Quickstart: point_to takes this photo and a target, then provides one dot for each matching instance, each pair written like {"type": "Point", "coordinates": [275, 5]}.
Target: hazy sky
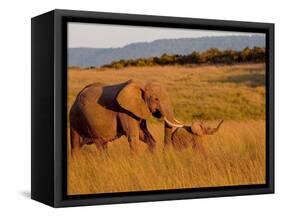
{"type": "Point", "coordinates": [105, 36]}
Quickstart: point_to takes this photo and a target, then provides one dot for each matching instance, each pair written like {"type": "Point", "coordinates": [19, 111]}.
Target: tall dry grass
{"type": "Point", "coordinates": [236, 154]}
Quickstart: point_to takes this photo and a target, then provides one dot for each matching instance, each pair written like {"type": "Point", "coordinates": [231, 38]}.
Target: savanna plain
{"type": "Point", "coordinates": [236, 154]}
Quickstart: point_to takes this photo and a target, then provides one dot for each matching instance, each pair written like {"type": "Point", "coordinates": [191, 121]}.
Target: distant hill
{"type": "Point", "coordinates": [85, 57]}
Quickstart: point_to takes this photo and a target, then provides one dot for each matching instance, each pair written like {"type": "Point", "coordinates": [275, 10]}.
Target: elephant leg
{"type": "Point", "coordinates": [102, 146]}
{"type": "Point", "coordinates": [146, 136]}
{"type": "Point", "coordinates": [131, 129]}
{"type": "Point", "coordinates": [133, 142]}
{"type": "Point", "coordinates": [167, 135]}
{"type": "Point", "coordinates": [75, 140]}
{"type": "Point", "coordinates": [199, 147]}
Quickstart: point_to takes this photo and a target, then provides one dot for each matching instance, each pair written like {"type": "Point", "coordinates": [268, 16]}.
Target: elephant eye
{"type": "Point", "coordinates": [156, 99]}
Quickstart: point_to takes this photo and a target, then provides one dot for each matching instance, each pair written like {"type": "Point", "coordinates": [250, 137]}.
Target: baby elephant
{"type": "Point", "coordinates": [192, 136]}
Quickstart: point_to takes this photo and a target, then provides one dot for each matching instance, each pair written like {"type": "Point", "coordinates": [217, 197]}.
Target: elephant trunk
{"type": "Point", "coordinates": [213, 130]}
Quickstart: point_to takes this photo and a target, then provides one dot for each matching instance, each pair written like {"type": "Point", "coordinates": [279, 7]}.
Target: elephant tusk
{"type": "Point", "coordinates": [172, 124]}
{"type": "Point", "coordinates": [178, 122]}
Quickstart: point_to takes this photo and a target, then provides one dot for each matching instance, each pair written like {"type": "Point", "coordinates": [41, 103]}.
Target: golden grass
{"type": "Point", "coordinates": [207, 92]}
{"type": "Point", "coordinates": [236, 154]}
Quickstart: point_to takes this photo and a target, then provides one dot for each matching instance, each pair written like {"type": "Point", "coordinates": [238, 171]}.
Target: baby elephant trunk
{"type": "Point", "coordinates": [210, 131]}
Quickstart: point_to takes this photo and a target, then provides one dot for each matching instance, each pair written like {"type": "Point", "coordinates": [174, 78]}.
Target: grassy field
{"type": "Point", "coordinates": [236, 154]}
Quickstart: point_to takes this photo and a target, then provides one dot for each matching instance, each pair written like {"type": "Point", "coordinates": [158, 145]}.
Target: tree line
{"type": "Point", "coordinates": [210, 56]}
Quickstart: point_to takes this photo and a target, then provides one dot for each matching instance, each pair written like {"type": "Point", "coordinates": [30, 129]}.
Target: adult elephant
{"type": "Point", "coordinates": [103, 113]}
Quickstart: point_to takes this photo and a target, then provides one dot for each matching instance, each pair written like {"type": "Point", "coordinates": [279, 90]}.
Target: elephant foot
{"type": "Point", "coordinates": [102, 147]}
{"type": "Point", "coordinates": [151, 147]}
{"type": "Point", "coordinates": [75, 151]}
{"type": "Point", "coordinates": [168, 145]}
{"type": "Point", "coordinates": [133, 143]}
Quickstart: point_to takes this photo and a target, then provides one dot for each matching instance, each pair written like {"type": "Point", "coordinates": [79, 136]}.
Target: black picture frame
{"type": "Point", "coordinates": [49, 111]}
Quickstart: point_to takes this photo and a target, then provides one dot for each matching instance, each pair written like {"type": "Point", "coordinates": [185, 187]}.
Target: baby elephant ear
{"type": "Point", "coordinates": [197, 129]}
{"type": "Point", "coordinates": [131, 99]}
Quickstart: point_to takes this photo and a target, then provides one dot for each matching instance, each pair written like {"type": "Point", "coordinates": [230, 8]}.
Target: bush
{"type": "Point", "coordinates": [210, 56]}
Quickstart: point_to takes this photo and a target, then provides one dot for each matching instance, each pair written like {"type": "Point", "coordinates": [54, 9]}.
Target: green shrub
{"type": "Point", "coordinates": [210, 56]}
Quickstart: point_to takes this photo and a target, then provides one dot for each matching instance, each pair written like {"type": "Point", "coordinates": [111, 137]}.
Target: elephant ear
{"type": "Point", "coordinates": [197, 129]}
{"type": "Point", "coordinates": [130, 98]}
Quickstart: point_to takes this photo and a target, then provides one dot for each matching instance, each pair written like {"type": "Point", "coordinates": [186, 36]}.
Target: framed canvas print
{"type": "Point", "coordinates": [133, 108]}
